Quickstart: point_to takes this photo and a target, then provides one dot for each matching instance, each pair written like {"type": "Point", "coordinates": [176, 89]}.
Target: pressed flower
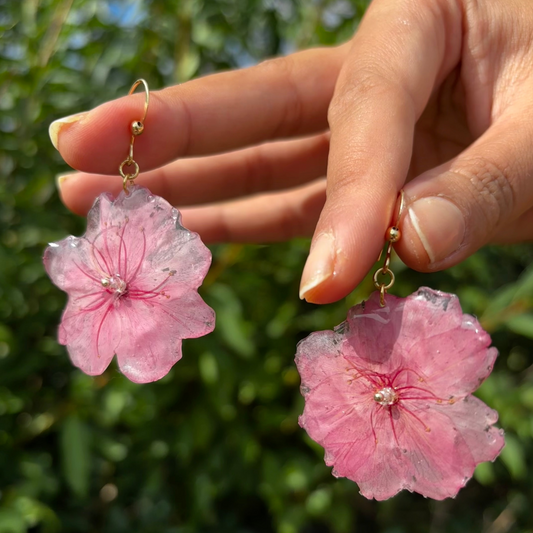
{"type": "Point", "coordinates": [132, 283]}
{"type": "Point", "coordinates": [388, 395]}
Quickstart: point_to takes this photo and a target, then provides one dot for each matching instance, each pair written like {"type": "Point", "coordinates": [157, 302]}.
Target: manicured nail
{"type": "Point", "coordinates": [61, 178]}
{"type": "Point", "coordinates": [55, 128]}
{"type": "Point", "coordinates": [320, 264]}
{"type": "Point", "coordinates": [440, 226]}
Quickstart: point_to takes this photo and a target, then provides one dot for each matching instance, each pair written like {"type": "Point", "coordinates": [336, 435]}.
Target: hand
{"type": "Point", "coordinates": [436, 93]}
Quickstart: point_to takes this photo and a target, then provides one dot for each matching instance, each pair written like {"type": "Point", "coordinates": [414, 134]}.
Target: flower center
{"type": "Point", "coordinates": [386, 396]}
{"type": "Point", "coordinates": [115, 284]}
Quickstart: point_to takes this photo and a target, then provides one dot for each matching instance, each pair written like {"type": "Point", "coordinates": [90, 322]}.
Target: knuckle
{"type": "Point", "coordinates": [351, 170]}
{"type": "Point", "coordinates": [292, 222]}
{"type": "Point", "coordinates": [491, 188]}
{"type": "Point", "coordinates": [187, 124]}
{"type": "Point", "coordinates": [369, 88]}
{"type": "Point", "coordinates": [291, 112]}
{"type": "Point", "coordinates": [291, 218]}
{"type": "Point", "coordinates": [352, 96]}
{"type": "Point", "coordinates": [223, 225]}
{"type": "Point", "coordinates": [258, 172]}
{"type": "Point", "coordinates": [288, 225]}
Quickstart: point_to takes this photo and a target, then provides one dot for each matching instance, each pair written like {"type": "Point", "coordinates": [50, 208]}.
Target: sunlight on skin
{"type": "Point", "coordinates": [423, 97]}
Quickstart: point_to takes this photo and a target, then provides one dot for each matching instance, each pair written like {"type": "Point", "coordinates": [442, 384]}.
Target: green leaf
{"type": "Point", "coordinates": [491, 318]}
{"type": "Point", "coordinates": [231, 324]}
{"type": "Point", "coordinates": [75, 454]}
{"type": "Point", "coordinates": [521, 324]}
{"type": "Point", "coordinates": [513, 457]}
{"type": "Point", "coordinates": [484, 473]}
{"type": "Point", "coordinates": [208, 368]}
{"type": "Point", "coordinates": [11, 522]}
{"type": "Point", "coordinates": [188, 64]}
{"type": "Point", "coordinates": [526, 282]}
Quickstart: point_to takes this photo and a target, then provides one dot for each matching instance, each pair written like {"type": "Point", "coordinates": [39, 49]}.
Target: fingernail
{"type": "Point", "coordinates": [61, 178]}
{"type": "Point", "coordinates": [55, 128]}
{"type": "Point", "coordinates": [320, 264]}
{"type": "Point", "coordinates": [440, 226]}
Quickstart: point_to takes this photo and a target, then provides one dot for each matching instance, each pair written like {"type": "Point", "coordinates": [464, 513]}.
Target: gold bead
{"type": "Point", "coordinates": [137, 127]}
{"type": "Point", "coordinates": [393, 234]}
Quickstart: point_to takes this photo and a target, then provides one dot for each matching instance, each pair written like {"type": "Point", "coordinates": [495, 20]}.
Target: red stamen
{"type": "Point", "coordinates": [123, 273]}
{"type": "Point", "coordinates": [414, 416]}
{"type": "Point", "coordinates": [367, 374]}
{"type": "Point", "coordinates": [131, 278]}
{"type": "Point", "coordinates": [405, 369]}
{"type": "Point", "coordinates": [90, 294]}
{"type": "Point", "coordinates": [413, 387]}
{"type": "Point", "coordinates": [372, 425]}
{"type": "Point", "coordinates": [392, 425]}
{"type": "Point", "coordinates": [105, 268]}
{"type": "Point", "coordinates": [134, 293]}
{"type": "Point", "coordinates": [107, 311]}
{"type": "Point", "coordinates": [85, 273]}
{"type": "Point", "coordinates": [106, 244]}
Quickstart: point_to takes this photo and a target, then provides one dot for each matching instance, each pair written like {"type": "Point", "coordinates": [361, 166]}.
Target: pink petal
{"type": "Point", "coordinates": [474, 420]}
{"type": "Point", "coordinates": [178, 264]}
{"type": "Point", "coordinates": [69, 265]}
{"type": "Point", "coordinates": [145, 267]}
{"type": "Point", "coordinates": [426, 331]}
{"type": "Point", "coordinates": [155, 239]}
{"type": "Point", "coordinates": [431, 355]}
{"type": "Point", "coordinates": [384, 335]}
{"type": "Point", "coordinates": [434, 460]}
{"type": "Point", "coordinates": [451, 350]}
{"type": "Point", "coordinates": [152, 331]}
{"type": "Point", "coordinates": [334, 401]}
{"type": "Point", "coordinates": [340, 413]}
{"type": "Point", "coordinates": [374, 461]}
{"type": "Point", "coordinates": [90, 330]}
{"type": "Point", "coordinates": [443, 443]}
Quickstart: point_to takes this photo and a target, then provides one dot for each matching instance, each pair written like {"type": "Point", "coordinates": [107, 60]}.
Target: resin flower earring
{"type": "Point", "coordinates": [131, 281]}
{"type": "Point", "coordinates": [388, 391]}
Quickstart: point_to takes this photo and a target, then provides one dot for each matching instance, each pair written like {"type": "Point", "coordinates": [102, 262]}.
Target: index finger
{"type": "Point", "coordinates": [283, 97]}
{"type": "Point", "coordinates": [397, 57]}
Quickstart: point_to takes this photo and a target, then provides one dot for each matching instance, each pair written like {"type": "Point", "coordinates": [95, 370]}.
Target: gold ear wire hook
{"type": "Point", "coordinates": [398, 211]}
{"type": "Point", "coordinates": [137, 127]}
{"type": "Point", "coordinates": [146, 94]}
{"type": "Point", "coordinates": [393, 235]}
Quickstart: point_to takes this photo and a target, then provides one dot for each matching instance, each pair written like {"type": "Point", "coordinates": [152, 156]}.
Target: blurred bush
{"type": "Point", "coordinates": [215, 446]}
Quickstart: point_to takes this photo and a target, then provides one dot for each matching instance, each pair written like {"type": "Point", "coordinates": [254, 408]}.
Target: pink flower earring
{"type": "Point", "coordinates": [388, 393]}
{"type": "Point", "coordinates": [132, 281]}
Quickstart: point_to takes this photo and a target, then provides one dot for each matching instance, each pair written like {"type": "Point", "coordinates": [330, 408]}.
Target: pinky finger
{"type": "Point", "coordinates": [264, 218]}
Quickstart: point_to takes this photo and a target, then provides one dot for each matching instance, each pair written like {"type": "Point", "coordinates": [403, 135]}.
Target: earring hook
{"type": "Point", "coordinates": [137, 127]}
{"type": "Point", "coordinates": [146, 95]}
{"type": "Point", "coordinates": [393, 235]}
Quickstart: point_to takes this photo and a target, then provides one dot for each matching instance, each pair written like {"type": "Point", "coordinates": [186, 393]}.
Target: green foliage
{"type": "Point", "coordinates": [215, 446]}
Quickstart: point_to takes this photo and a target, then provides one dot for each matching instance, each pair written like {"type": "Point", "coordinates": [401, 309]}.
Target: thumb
{"type": "Point", "coordinates": [454, 209]}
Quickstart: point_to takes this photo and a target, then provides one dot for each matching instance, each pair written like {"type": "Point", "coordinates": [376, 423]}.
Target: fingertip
{"type": "Point", "coordinates": [60, 125]}
{"type": "Point", "coordinates": [68, 185]}
{"type": "Point", "coordinates": [62, 178]}
{"type": "Point", "coordinates": [78, 191]}
{"type": "Point", "coordinates": [326, 292]}
{"type": "Point", "coordinates": [319, 267]}
{"type": "Point", "coordinates": [96, 141]}
{"type": "Point", "coordinates": [328, 274]}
